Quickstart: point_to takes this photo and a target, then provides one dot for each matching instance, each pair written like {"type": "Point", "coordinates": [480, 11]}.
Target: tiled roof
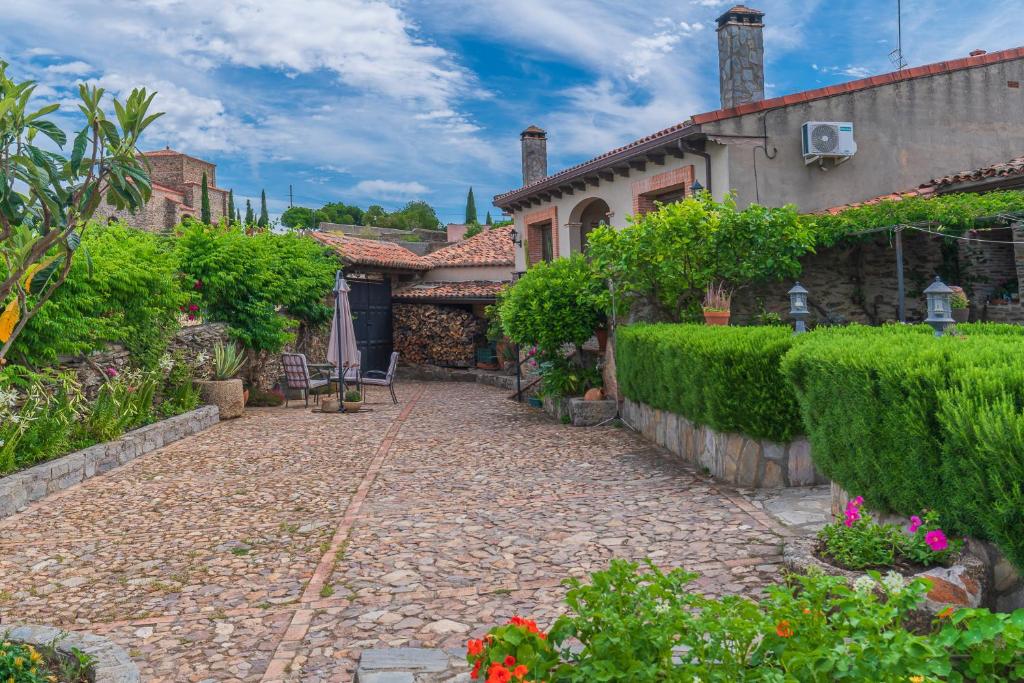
{"type": "Point", "coordinates": [788, 100]}
{"type": "Point", "coordinates": [168, 190]}
{"type": "Point", "coordinates": [1014, 167]}
{"type": "Point", "coordinates": [358, 251]}
{"type": "Point", "coordinates": [471, 290]}
{"type": "Point", "coordinates": [1006, 169]}
{"type": "Point", "coordinates": [168, 152]}
{"type": "Point", "coordinates": [863, 84]}
{"type": "Point", "coordinates": [490, 248]}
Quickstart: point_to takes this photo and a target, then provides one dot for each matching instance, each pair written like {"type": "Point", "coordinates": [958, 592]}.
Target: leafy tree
{"type": "Point", "coordinates": [673, 254]}
{"type": "Point", "coordinates": [238, 216]}
{"type": "Point", "coordinates": [46, 199]}
{"type": "Point", "coordinates": [298, 217]}
{"type": "Point", "coordinates": [471, 208]}
{"type": "Point", "coordinates": [264, 220]}
{"type": "Point", "coordinates": [242, 280]}
{"type": "Point", "coordinates": [204, 205]}
{"type": "Point", "coordinates": [231, 205]}
{"type": "Point", "coordinates": [374, 215]}
{"type": "Point", "coordinates": [415, 214]}
{"type": "Point", "coordinates": [250, 217]}
{"type": "Point", "coordinates": [128, 293]}
{"type": "Point", "coordinates": [339, 212]}
{"type": "Point", "coordinates": [489, 221]}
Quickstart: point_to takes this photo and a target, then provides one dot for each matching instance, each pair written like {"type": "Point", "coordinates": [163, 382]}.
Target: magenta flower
{"type": "Point", "coordinates": [858, 501]}
{"type": "Point", "coordinates": [191, 316]}
{"type": "Point", "coordinates": [936, 540]}
{"type": "Point", "coordinates": [111, 372]}
{"type": "Point", "coordinates": [915, 523]}
{"type": "Point", "coordinates": [198, 284]}
{"type": "Point", "coordinates": [193, 308]}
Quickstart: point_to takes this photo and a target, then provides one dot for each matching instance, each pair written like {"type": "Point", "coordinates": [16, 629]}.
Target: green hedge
{"type": "Point", "coordinates": [727, 378]}
{"type": "Point", "coordinates": [910, 421]}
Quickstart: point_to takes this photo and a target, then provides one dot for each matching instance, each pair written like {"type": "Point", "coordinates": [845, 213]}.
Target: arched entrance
{"type": "Point", "coordinates": [586, 216]}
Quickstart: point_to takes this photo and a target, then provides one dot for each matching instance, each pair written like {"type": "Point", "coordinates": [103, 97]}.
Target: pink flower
{"type": "Point", "coordinates": [853, 511]}
{"type": "Point", "coordinates": [915, 523]}
{"type": "Point", "coordinates": [111, 372]}
{"type": "Point", "coordinates": [858, 501]}
{"type": "Point", "coordinates": [198, 284]}
{"type": "Point", "coordinates": [936, 540]}
{"type": "Point", "coordinates": [193, 308]}
{"type": "Point", "coordinates": [191, 316]}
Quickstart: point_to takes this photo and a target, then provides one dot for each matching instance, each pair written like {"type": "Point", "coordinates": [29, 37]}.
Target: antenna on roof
{"type": "Point", "coordinates": [896, 56]}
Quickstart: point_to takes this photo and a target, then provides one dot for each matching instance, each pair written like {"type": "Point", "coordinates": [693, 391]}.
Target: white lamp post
{"type": "Point", "coordinates": [939, 306]}
{"type": "Point", "coordinates": [798, 307]}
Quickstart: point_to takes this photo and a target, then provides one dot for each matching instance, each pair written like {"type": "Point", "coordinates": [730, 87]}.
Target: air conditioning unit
{"type": "Point", "coordinates": [828, 140]}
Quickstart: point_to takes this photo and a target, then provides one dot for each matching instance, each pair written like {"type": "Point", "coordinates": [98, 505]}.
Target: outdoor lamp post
{"type": "Point", "coordinates": [514, 234]}
{"type": "Point", "coordinates": [798, 307]}
{"type": "Point", "coordinates": [696, 187]}
{"type": "Point", "coordinates": [939, 308]}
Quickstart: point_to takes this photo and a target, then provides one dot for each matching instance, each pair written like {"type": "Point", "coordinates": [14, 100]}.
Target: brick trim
{"type": "Point", "coordinates": [534, 224]}
{"type": "Point", "coordinates": [677, 178]}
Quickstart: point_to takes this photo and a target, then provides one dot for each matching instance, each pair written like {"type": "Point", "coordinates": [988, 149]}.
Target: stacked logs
{"type": "Point", "coordinates": [425, 334]}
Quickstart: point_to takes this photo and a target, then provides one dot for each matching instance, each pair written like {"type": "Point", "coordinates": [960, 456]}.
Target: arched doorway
{"type": "Point", "coordinates": [586, 216]}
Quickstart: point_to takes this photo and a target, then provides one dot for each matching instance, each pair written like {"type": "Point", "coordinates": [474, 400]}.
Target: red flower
{"type": "Point", "coordinates": [193, 308]}
{"type": "Point", "coordinates": [946, 613]}
{"type": "Point", "coordinates": [520, 671]}
{"type": "Point", "coordinates": [783, 629]}
{"type": "Point", "coordinates": [499, 674]}
{"type": "Point", "coordinates": [198, 284]}
{"type": "Point", "coordinates": [475, 647]}
{"type": "Point", "coordinates": [475, 673]}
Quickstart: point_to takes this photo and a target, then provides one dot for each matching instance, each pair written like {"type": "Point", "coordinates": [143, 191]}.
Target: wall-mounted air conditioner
{"type": "Point", "coordinates": [828, 140]}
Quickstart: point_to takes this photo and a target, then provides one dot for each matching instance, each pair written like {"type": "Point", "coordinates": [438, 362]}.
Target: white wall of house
{"type": "Point", "coordinates": [469, 273]}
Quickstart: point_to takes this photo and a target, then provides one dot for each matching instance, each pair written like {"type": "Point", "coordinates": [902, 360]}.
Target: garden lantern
{"type": "Point", "coordinates": [696, 187]}
{"type": "Point", "coordinates": [798, 306]}
{"type": "Point", "coordinates": [939, 306]}
{"type": "Point", "coordinates": [514, 234]}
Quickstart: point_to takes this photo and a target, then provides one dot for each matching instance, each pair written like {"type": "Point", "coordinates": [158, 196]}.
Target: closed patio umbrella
{"type": "Point", "coordinates": [342, 352]}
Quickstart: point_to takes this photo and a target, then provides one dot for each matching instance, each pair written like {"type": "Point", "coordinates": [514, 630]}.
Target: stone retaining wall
{"type": "Point", "coordinates": [732, 458]}
{"type": "Point", "coordinates": [111, 664]}
{"type": "Point", "coordinates": [21, 488]}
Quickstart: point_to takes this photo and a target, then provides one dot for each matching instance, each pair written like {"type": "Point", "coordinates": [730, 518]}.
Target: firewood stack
{"type": "Point", "coordinates": [425, 334]}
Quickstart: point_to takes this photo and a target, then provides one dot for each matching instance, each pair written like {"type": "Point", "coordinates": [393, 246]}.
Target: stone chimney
{"type": "Point", "coordinates": [535, 154]}
{"type": "Point", "coordinates": [741, 56]}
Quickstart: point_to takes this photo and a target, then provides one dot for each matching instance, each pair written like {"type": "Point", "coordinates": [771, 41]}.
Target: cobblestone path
{"type": "Point", "coordinates": [279, 545]}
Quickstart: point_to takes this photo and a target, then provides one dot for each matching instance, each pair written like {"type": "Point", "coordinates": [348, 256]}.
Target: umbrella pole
{"type": "Point", "coordinates": [337, 336]}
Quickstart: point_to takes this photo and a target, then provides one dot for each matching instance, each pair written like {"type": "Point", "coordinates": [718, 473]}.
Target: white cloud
{"type": "Point", "coordinates": [70, 69]}
{"type": "Point", "coordinates": [390, 190]}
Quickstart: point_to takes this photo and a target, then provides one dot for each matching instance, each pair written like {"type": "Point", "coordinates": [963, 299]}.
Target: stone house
{"type": "Point", "coordinates": [908, 125]}
{"type": "Point", "coordinates": [177, 192]}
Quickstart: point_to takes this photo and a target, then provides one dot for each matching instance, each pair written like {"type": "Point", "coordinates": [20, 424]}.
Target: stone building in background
{"type": "Point", "coordinates": [177, 192]}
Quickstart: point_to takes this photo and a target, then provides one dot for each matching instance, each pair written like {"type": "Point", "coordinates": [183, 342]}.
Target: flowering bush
{"type": "Point", "coordinates": [511, 653]}
{"type": "Point", "coordinates": [24, 663]}
{"type": "Point", "coordinates": [646, 627]}
{"type": "Point", "coordinates": [21, 664]}
{"type": "Point", "coordinates": [858, 542]}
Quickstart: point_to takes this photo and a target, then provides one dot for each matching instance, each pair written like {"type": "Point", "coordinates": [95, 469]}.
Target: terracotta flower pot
{"type": "Point", "coordinates": [961, 315]}
{"type": "Point", "coordinates": [352, 406]}
{"type": "Point", "coordinates": [245, 397]}
{"type": "Point", "coordinates": [716, 317]}
{"type": "Point", "coordinates": [228, 395]}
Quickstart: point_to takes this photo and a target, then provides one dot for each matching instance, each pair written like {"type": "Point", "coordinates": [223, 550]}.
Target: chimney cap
{"type": "Point", "coordinates": [534, 132]}
{"type": "Point", "coordinates": [740, 14]}
{"type": "Point", "coordinates": [978, 53]}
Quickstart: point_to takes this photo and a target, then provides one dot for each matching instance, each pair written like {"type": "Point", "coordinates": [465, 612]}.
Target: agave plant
{"type": "Point", "coordinates": [227, 361]}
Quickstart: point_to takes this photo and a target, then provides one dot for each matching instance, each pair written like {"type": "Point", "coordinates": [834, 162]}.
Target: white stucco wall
{"type": "Point", "coordinates": [468, 273]}
{"type": "Point", "coordinates": [618, 194]}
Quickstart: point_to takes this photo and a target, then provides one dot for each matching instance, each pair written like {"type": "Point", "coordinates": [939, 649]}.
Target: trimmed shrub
{"type": "Point", "coordinates": [727, 378]}
{"type": "Point", "coordinates": [911, 421]}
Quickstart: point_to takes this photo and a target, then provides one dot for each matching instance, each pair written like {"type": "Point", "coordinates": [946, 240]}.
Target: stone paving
{"type": "Point", "coordinates": [280, 545]}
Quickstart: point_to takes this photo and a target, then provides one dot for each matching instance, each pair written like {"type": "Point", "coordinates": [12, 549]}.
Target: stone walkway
{"type": "Point", "coordinates": [280, 545]}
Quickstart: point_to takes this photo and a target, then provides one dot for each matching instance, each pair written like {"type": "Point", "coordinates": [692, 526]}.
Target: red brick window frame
{"type": "Point", "coordinates": [536, 223]}
{"type": "Point", "coordinates": [647, 190]}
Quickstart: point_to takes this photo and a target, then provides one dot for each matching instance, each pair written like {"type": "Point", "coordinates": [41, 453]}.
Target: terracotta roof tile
{"type": "Point", "coordinates": [358, 251]}
{"type": "Point", "coordinates": [474, 289]}
{"type": "Point", "coordinates": [490, 248]}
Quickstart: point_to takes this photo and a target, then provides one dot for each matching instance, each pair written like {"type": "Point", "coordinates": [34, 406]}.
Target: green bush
{"type": "Point", "coordinates": [912, 422]}
{"type": "Point", "coordinates": [553, 304]}
{"type": "Point", "coordinates": [727, 378]}
{"type": "Point", "coordinates": [123, 288]}
{"type": "Point", "coordinates": [243, 280]}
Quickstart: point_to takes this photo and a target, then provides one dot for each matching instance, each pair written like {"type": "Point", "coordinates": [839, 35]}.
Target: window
{"type": "Point", "coordinates": [547, 249]}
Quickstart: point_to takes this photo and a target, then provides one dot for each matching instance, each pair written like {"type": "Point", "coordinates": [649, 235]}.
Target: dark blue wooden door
{"type": "Point", "coordinates": [371, 316]}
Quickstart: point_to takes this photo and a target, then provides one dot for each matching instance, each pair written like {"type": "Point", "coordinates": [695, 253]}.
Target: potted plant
{"type": "Point", "coordinates": [960, 305]}
{"type": "Point", "coordinates": [224, 391]}
{"type": "Point", "coordinates": [353, 401]}
{"type": "Point", "coordinates": [717, 303]}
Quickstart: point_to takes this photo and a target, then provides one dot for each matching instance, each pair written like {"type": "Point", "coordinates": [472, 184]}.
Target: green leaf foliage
{"type": "Point", "coordinates": [553, 304]}
{"type": "Point", "coordinates": [470, 208]}
{"type": "Point", "coordinates": [913, 422]}
{"type": "Point", "coordinates": [204, 203]}
{"type": "Point", "coordinates": [242, 280]}
{"type": "Point", "coordinates": [727, 378]}
{"type": "Point", "coordinates": [127, 293]}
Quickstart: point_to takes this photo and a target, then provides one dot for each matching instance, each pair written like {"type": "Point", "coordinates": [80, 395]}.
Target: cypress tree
{"type": "Point", "coordinates": [204, 206]}
{"type": "Point", "coordinates": [238, 216]}
{"type": "Point", "coordinates": [264, 220]}
{"type": "Point", "coordinates": [489, 221]}
{"type": "Point", "coordinates": [231, 206]}
{"type": "Point", "coordinates": [470, 208]}
{"type": "Point", "coordinates": [250, 217]}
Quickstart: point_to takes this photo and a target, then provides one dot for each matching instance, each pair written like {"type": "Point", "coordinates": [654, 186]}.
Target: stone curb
{"type": "Point", "coordinates": [413, 665]}
{"type": "Point", "coordinates": [19, 489]}
{"type": "Point", "coordinates": [112, 663]}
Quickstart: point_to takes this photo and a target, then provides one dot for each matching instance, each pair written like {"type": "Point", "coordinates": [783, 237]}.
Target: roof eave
{"type": "Point", "coordinates": [552, 182]}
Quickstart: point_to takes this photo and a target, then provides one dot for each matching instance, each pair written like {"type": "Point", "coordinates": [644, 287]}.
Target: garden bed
{"type": "Point", "coordinates": [19, 489]}
{"type": "Point", "coordinates": [109, 663]}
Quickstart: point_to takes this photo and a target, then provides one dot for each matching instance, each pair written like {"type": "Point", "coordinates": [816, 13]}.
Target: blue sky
{"type": "Point", "coordinates": [382, 102]}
